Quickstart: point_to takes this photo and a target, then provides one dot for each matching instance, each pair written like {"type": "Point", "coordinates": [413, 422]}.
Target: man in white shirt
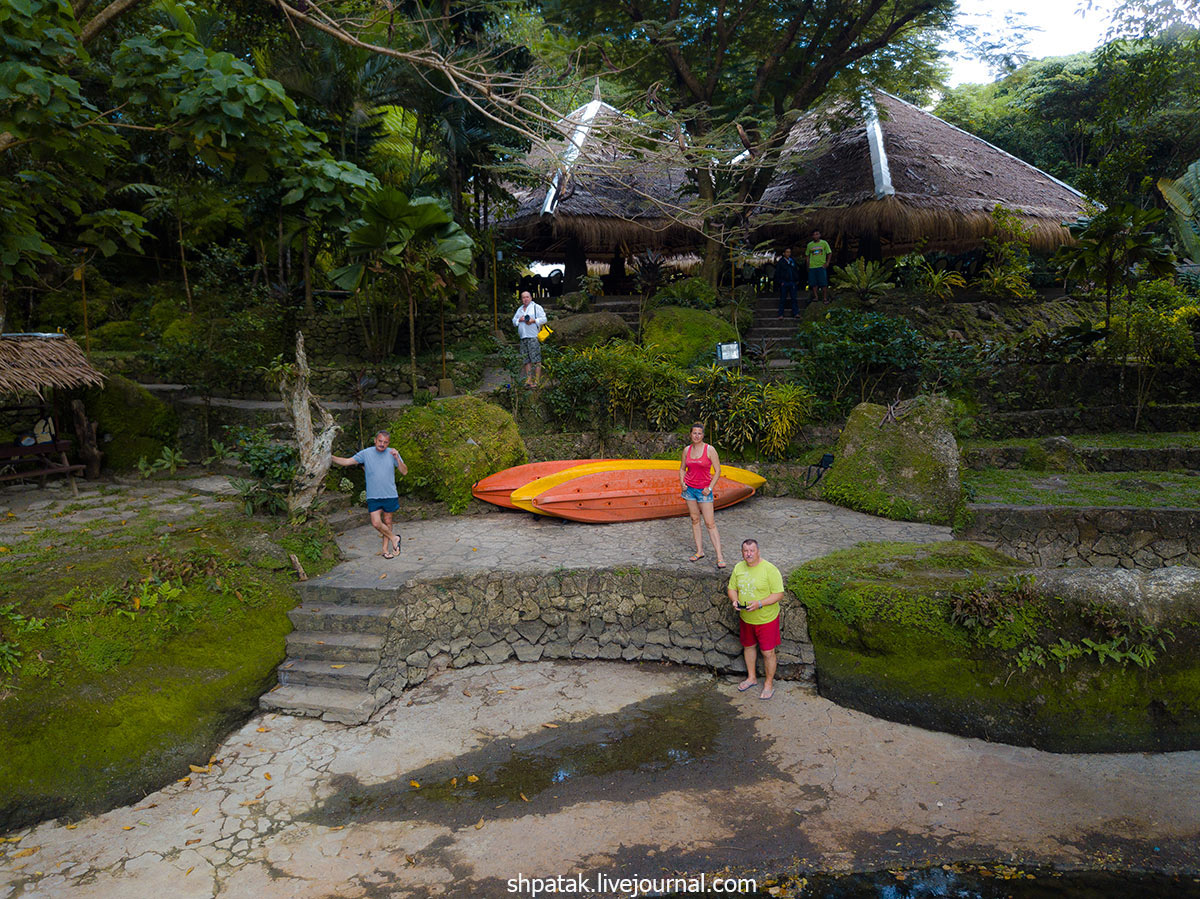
{"type": "Point", "coordinates": [528, 320]}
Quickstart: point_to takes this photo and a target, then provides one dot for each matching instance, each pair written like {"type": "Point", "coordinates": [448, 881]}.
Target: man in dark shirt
{"type": "Point", "coordinates": [787, 275]}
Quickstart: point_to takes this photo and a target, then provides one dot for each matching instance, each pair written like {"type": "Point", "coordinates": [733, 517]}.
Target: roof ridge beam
{"type": "Point", "coordinates": [880, 171]}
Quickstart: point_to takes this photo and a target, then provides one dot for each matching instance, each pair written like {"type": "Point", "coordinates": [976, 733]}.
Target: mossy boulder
{"type": "Point", "coordinates": [1053, 454]}
{"type": "Point", "coordinates": [956, 637]}
{"type": "Point", "coordinates": [131, 423]}
{"type": "Point", "coordinates": [903, 466]}
{"type": "Point", "coordinates": [686, 336]}
{"type": "Point", "coordinates": [450, 444]}
{"type": "Point", "coordinates": [589, 329]}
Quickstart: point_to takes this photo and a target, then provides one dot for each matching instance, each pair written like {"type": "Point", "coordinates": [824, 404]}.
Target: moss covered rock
{"type": "Point", "coordinates": [687, 336]}
{"type": "Point", "coordinates": [130, 422]}
{"type": "Point", "coordinates": [450, 444]}
{"type": "Point", "coordinates": [906, 468]}
{"type": "Point", "coordinates": [113, 700]}
{"type": "Point", "coordinates": [955, 637]}
{"type": "Point", "coordinates": [589, 329]}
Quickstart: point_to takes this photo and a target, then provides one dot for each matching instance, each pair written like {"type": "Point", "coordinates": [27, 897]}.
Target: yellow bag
{"type": "Point", "coordinates": [544, 333]}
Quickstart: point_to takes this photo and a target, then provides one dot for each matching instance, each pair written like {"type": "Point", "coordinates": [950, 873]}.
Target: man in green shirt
{"type": "Point", "coordinates": [817, 255]}
{"type": "Point", "coordinates": [755, 588]}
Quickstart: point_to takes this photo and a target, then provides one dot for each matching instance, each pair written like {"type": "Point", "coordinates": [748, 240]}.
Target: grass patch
{"type": "Point", "coordinates": [1083, 489]}
{"type": "Point", "coordinates": [134, 651]}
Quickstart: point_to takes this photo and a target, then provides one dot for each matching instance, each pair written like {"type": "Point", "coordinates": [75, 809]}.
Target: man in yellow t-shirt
{"type": "Point", "coordinates": [755, 588]}
{"type": "Point", "coordinates": [816, 254]}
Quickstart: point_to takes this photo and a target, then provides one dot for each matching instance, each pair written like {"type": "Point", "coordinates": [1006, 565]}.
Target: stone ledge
{"type": "Point", "coordinates": [1114, 537]}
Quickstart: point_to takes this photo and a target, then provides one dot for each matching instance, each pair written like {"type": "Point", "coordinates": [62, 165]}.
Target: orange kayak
{"type": "Point", "coordinates": [497, 488]}
{"type": "Point", "coordinates": [631, 494]}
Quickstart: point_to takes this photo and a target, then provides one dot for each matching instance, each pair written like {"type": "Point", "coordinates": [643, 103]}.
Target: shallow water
{"type": "Point", "coordinates": [981, 882]}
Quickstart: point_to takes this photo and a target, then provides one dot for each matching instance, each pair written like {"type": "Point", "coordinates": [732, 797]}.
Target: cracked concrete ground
{"type": "Point", "coordinates": [303, 808]}
{"type": "Point", "coordinates": [580, 767]}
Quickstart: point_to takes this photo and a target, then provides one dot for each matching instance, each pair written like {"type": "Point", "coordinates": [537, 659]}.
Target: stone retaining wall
{"type": "Point", "coordinates": [1125, 458]}
{"type": "Point", "coordinates": [1098, 538]}
{"type": "Point", "coordinates": [1096, 419]}
{"type": "Point", "coordinates": [632, 615]}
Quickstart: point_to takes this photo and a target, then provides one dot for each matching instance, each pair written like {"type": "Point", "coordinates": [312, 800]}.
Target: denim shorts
{"type": "Point", "coordinates": [697, 493]}
{"type": "Point", "coordinates": [387, 504]}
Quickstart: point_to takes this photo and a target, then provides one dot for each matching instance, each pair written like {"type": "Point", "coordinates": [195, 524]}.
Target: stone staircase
{"type": "Point", "coordinates": [626, 307]}
{"type": "Point", "coordinates": [771, 333]}
{"type": "Point", "coordinates": [334, 654]}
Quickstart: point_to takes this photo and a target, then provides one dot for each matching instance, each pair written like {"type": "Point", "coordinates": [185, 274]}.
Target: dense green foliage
{"type": "Point", "coordinates": [846, 355]}
{"type": "Point", "coordinates": [1110, 122]}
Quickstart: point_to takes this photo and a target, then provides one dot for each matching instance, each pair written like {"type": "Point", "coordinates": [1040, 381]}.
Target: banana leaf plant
{"type": "Point", "coordinates": [417, 242]}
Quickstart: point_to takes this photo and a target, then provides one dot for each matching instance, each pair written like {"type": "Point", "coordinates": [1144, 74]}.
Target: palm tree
{"type": "Point", "coordinates": [415, 241]}
{"type": "Point", "coordinates": [1116, 249]}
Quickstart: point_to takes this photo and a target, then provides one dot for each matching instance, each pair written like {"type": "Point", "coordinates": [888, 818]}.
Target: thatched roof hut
{"type": "Point", "coordinates": [603, 191]}
{"type": "Point", "coordinates": [29, 363]}
{"type": "Point", "coordinates": [898, 176]}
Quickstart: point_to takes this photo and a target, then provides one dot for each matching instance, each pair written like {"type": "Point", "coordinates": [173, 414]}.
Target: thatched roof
{"type": "Point", "coordinates": [29, 363]}
{"type": "Point", "coordinates": [600, 190]}
{"type": "Point", "coordinates": [901, 175]}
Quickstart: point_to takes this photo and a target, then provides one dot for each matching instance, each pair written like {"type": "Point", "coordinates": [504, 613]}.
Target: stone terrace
{"type": "Point", "coordinates": [483, 589]}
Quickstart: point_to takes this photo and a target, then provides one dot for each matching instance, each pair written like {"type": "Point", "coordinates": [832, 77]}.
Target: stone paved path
{"type": "Point", "coordinates": [295, 808]}
{"type": "Point", "coordinates": [789, 531]}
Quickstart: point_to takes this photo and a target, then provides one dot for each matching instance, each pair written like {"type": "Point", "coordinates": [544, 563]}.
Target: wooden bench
{"type": "Point", "coordinates": [41, 460]}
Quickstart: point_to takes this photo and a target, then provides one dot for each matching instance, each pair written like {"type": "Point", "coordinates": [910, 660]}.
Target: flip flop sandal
{"type": "Point", "coordinates": [697, 557]}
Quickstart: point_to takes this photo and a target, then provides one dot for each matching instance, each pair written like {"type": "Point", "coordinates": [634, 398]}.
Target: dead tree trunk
{"type": "Point", "coordinates": [314, 448]}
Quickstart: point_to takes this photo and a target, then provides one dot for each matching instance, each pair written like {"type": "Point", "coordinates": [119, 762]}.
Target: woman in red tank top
{"type": "Point", "coordinates": [699, 471]}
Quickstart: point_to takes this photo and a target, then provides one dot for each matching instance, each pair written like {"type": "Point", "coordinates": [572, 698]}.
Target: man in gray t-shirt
{"type": "Point", "coordinates": [379, 463]}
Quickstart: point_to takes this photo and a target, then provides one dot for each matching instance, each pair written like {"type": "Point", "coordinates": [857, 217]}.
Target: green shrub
{"type": "Point", "coordinates": [619, 383]}
{"type": "Point", "coordinates": [1006, 275]}
{"type": "Point", "coordinates": [450, 444]}
{"type": "Point", "coordinates": [131, 423]}
{"type": "Point", "coordinates": [124, 335]}
{"type": "Point", "coordinates": [163, 313]}
{"type": "Point", "coordinates": [686, 336]}
{"type": "Point", "coordinates": [846, 354]}
{"type": "Point", "coordinates": [689, 293]}
{"type": "Point", "coordinates": [739, 411]}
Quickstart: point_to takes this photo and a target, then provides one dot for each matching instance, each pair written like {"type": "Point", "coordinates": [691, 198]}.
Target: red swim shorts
{"type": "Point", "coordinates": [767, 635]}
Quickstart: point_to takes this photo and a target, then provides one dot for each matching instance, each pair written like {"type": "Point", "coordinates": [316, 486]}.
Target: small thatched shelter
{"type": "Point", "coordinates": [602, 194]}
{"type": "Point", "coordinates": [30, 363]}
{"type": "Point", "coordinates": [899, 176]}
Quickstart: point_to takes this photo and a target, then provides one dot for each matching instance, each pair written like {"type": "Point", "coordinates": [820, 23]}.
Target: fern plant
{"type": "Point", "coordinates": [940, 283]}
{"type": "Point", "coordinates": [867, 280]}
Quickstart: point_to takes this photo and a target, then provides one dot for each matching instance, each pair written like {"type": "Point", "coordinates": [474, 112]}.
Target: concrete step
{"type": "Point", "coordinates": [336, 595]}
{"type": "Point", "coordinates": [334, 618]}
{"type": "Point", "coordinates": [338, 675]}
{"type": "Point", "coordinates": [342, 706]}
{"type": "Point", "coordinates": [327, 647]}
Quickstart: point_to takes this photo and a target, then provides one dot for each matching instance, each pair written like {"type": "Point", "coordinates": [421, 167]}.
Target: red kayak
{"type": "Point", "coordinates": [497, 488]}
{"type": "Point", "coordinates": [633, 494]}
